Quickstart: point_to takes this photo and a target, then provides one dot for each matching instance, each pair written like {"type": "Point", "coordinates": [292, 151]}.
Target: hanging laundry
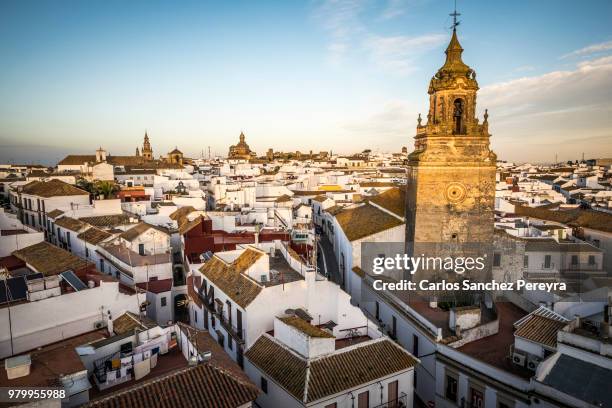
{"type": "Point", "coordinates": [142, 369]}
{"type": "Point", "coordinates": [153, 360]}
{"type": "Point", "coordinates": [111, 376]}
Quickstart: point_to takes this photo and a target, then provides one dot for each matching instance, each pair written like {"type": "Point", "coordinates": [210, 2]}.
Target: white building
{"type": "Point", "coordinates": [303, 365]}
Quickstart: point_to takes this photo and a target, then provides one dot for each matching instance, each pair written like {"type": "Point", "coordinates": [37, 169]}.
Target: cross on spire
{"type": "Point", "coordinates": [454, 15]}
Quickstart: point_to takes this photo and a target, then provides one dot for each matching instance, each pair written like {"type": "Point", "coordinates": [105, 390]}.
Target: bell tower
{"type": "Point", "coordinates": [147, 151]}
{"type": "Point", "coordinates": [451, 172]}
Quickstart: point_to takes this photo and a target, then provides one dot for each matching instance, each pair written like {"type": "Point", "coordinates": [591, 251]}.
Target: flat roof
{"type": "Point", "coordinates": [494, 349]}
{"type": "Point", "coordinates": [49, 362]}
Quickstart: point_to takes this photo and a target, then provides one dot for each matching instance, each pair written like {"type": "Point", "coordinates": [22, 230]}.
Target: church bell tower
{"type": "Point", "coordinates": [451, 174]}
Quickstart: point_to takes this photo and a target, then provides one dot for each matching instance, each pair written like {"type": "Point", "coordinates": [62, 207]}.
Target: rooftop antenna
{"type": "Point", "coordinates": [454, 15]}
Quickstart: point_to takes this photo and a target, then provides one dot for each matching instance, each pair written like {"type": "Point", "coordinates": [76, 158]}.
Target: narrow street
{"type": "Point", "coordinates": [326, 260]}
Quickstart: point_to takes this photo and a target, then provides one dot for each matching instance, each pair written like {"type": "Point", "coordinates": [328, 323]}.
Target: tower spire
{"type": "Point", "coordinates": [454, 15]}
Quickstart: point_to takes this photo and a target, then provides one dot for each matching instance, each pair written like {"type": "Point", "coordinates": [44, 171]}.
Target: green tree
{"type": "Point", "coordinates": [106, 188]}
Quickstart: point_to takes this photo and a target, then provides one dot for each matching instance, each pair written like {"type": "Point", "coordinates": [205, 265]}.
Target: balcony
{"type": "Point", "coordinates": [583, 267]}
{"type": "Point", "coordinates": [237, 334]}
{"type": "Point", "coordinates": [541, 274]}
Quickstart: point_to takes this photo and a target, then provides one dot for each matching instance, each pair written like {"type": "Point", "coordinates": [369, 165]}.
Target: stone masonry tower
{"type": "Point", "coordinates": [451, 174]}
{"type": "Point", "coordinates": [147, 151]}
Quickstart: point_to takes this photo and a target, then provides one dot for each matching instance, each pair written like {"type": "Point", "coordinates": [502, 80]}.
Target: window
{"type": "Point", "coordinates": [141, 249]}
{"type": "Point", "coordinates": [195, 316]}
{"type": "Point", "coordinates": [526, 261]}
{"type": "Point", "coordinates": [264, 385]}
{"type": "Point", "coordinates": [415, 345]}
{"type": "Point", "coordinates": [392, 394]}
{"type": "Point", "coordinates": [394, 327]}
{"type": "Point", "coordinates": [164, 301]}
{"type": "Point", "coordinates": [451, 388]}
{"type": "Point", "coordinates": [497, 259]}
{"type": "Point", "coordinates": [68, 237]}
{"type": "Point", "coordinates": [363, 400]}
{"type": "Point", "coordinates": [591, 260]}
{"type": "Point", "coordinates": [230, 343]}
{"type": "Point", "coordinates": [574, 260]}
{"type": "Point", "coordinates": [86, 252]}
{"type": "Point", "coordinates": [102, 265]}
{"type": "Point", "coordinates": [547, 259]}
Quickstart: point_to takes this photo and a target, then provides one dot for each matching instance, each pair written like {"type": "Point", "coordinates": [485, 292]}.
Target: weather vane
{"type": "Point", "coordinates": [454, 15]}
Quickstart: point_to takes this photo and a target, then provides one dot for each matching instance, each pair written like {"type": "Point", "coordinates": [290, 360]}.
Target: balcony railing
{"type": "Point", "coordinates": [582, 267]}
{"type": "Point", "coordinates": [237, 334]}
{"type": "Point", "coordinates": [400, 402]}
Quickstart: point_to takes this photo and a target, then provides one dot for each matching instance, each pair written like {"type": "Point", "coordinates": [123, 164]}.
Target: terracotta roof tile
{"type": "Point", "coordinates": [129, 322]}
{"type": "Point", "coordinates": [305, 327]}
{"type": "Point", "coordinates": [137, 230]}
{"type": "Point", "coordinates": [156, 286]}
{"type": "Point", "coordinates": [188, 225]}
{"type": "Point", "coordinates": [393, 200]}
{"type": "Point", "coordinates": [596, 220]}
{"type": "Point", "coordinates": [94, 235]}
{"type": "Point", "coordinates": [55, 213]}
{"type": "Point", "coordinates": [49, 259]}
{"type": "Point", "coordinates": [180, 215]}
{"type": "Point", "coordinates": [107, 220]}
{"type": "Point", "coordinates": [540, 329]}
{"type": "Point", "coordinates": [204, 385]}
{"type": "Point", "coordinates": [52, 188]}
{"type": "Point", "coordinates": [70, 223]}
{"type": "Point", "coordinates": [230, 278]}
{"type": "Point", "coordinates": [285, 367]}
{"type": "Point", "coordinates": [365, 220]}
{"type": "Point", "coordinates": [329, 374]}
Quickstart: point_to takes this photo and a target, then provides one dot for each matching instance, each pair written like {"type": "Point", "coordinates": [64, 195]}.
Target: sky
{"type": "Point", "coordinates": [339, 75]}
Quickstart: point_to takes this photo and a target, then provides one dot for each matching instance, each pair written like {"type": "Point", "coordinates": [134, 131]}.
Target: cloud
{"type": "Point", "coordinates": [395, 8]}
{"type": "Point", "coordinates": [531, 118]}
{"type": "Point", "coordinates": [385, 129]}
{"type": "Point", "coordinates": [397, 54]}
{"type": "Point", "coordinates": [341, 19]}
{"type": "Point", "coordinates": [588, 84]}
{"type": "Point", "coordinates": [590, 50]}
{"type": "Point", "coordinates": [348, 25]}
{"type": "Point", "coordinates": [524, 68]}
{"type": "Point", "coordinates": [562, 112]}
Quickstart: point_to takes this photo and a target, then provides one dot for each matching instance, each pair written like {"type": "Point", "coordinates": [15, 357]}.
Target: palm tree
{"type": "Point", "coordinates": [86, 185]}
{"type": "Point", "coordinates": [107, 189]}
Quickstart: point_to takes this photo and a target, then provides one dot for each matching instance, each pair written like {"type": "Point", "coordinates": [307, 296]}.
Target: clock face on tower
{"type": "Point", "coordinates": [455, 192]}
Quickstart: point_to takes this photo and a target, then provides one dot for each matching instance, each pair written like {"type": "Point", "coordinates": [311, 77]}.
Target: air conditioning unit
{"type": "Point", "coordinates": [533, 362]}
{"type": "Point", "coordinates": [519, 359]}
{"type": "Point", "coordinates": [99, 324]}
